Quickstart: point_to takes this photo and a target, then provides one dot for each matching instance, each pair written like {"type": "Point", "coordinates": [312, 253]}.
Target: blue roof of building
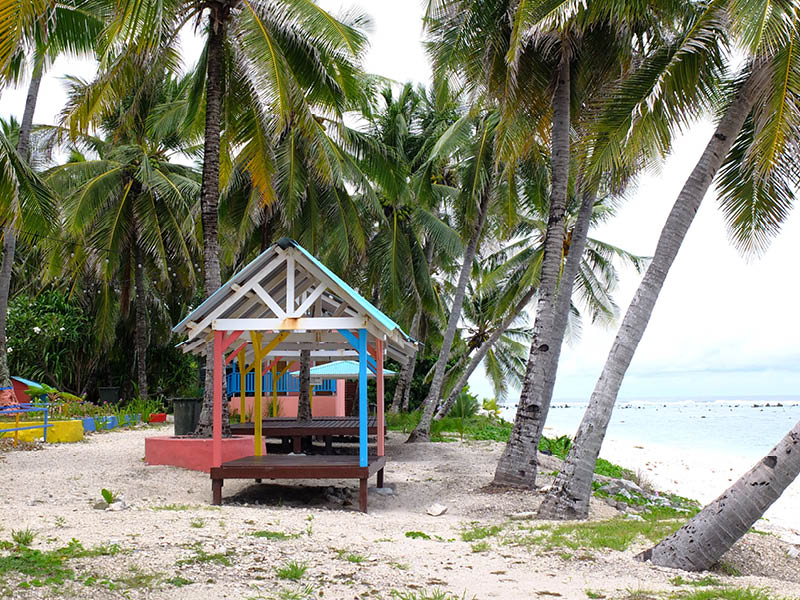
{"type": "Point", "coordinates": [27, 382]}
{"type": "Point", "coordinates": [341, 369]}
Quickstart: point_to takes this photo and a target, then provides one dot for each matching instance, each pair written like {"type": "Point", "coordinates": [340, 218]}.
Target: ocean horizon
{"type": "Point", "coordinates": [741, 426]}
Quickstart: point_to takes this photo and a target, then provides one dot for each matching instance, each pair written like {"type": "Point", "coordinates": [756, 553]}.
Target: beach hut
{"type": "Point", "coordinates": [284, 302]}
{"type": "Point", "coordinates": [21, 385]}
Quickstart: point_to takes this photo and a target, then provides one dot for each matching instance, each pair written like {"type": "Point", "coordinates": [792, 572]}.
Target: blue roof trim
{"type": "Point", "coordinates": [27, 382]}
{"type": "Point", "coordinates": [363, 302]}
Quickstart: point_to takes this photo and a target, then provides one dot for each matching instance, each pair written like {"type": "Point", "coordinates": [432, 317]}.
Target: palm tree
{"type": "Point", "coordinates": [519, 262]}
{"type": "Point", "coordinates": [25, 200]}
{"type": "Point", "coordinates": [756, 129]}
{"type": "Point", "coordinates": [262, 57]}
{"type": "Point", "coordinates": [45, 32]}
{"type": "Point", "coordinates": [474, 136]}
{"type": "Point", "coordinates": [132, 205]}
{"type": "Point", "coordinates": [701, 542]}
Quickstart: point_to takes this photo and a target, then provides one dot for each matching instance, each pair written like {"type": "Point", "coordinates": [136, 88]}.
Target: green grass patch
{"type": "Point", "coordinates": [479, 532]}
{"type": "Point", "coordinates": [201, 557]}
{"type": "Point", "coordinates": [39, 568]}
{"type": "Point", "coordinates": [594, 595]}
{"type": "Point", "coordinates": [435, 594]}
{"type": "Point", "coordinates": [706, 581]}
{"type": "Point", "coordinates": [727, 593]}
{"type": "Point", "coordinates": [482, 546]}
{"type": "Point", "coordinates": [274, 535]}
{"type": "Point", "coordinates": [178, 581]}
{"type": "Point", "coordinates": [417, 535]}
{"type": "Point", "coordinates": [353, 557]}
{"type": "Point", "coordinates": [174, 507]}
{"type": "Point", "coordinates": [613, 534]}
{"type": "Point", "coordinates": [292, 571]}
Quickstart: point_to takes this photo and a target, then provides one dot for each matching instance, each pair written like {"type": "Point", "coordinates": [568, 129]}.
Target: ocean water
{"type": "Point", "coordinates": [746, 426]}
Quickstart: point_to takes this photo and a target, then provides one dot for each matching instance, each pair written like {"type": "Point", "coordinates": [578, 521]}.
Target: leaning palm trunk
{"type": "Point", "coordinates": [10, 234]}
{"type": "Point", "coordinates": [482, 351]}
{"type": "Point", "coordinates": [714, 530]}
{"type": "Point", "coordinates": [141, 322]}
{"type": "Point", "coordinates": [569, 496]}
{"type": "Point", "coordinates": [304, 397]}
{"type": "Point", "coordinates": [407, 372]}
{"type": "Point", "coordinates": [422, 432]}
{"type": "Point", "coordinates": [517, 465]}
{"type": "Point", "coordinates": [209, 199]}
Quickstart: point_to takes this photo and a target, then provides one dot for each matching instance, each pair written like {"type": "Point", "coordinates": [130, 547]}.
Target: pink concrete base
{"type": "Point", "coordinates": [195, 453]}
{"type": "Point", "coordinates": [321, 406]}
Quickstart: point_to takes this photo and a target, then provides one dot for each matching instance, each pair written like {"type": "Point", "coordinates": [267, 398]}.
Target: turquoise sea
{"type": "Point", "coordinates": [747, 426]}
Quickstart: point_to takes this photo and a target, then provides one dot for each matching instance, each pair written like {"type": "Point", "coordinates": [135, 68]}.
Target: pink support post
{"type": "Point", "coordinates": [339, 406]}
{"type": "Point", "coordinates": [216, 445]}
{"type": "Point", "coordinates": [379, 382]}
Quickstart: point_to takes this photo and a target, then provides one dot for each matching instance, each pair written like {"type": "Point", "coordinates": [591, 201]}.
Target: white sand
{"type": "Point", "coordinates": [52, 492]}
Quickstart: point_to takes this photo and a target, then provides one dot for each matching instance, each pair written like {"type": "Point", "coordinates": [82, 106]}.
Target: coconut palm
{"type": "Point", "coordinates": [472, 136]}
{"type": "Point", "coordinates": [131, 206]}
{"type": "Point", "coordinates": [607, 41]}
{"type": "Point", "coordinates": [272, 61]}
{"type": "Point", "coordinates": [701, 542]}
{"type": "Point", "coordinates": [751, 151]}
{"type": "Point", "coordinates": [24, 200]}
{"type": "Point", "coordinates": [42, 30]}
{"type": "Point", "coordinates": [519, 263]}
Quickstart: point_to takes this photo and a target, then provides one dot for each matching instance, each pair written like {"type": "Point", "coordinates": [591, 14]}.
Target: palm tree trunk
{"type": "Point", "coordinates": [714, 530]}
{"type": "Point", "coordinates": [407, 372]}
{"type": "Point", "coordinates": [304, 399]}
{"type": "Point", "coordinates": [10, 234]}
{"type": "Point", "coordinates": [482, 351]}
{"type": "Point", "coordinates": [141, 322]}
{"type": "Point", "coordinates": [423, 429]}
{"type": "Point", "coordinates": [569, 496]}
{"type": "Point", "coordinates": [517, 465]}
{"type": "Point", "coordinates": [209, 202]}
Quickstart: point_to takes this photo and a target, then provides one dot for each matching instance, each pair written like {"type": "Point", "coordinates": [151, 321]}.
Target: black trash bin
{"type": "Point", "coordinates": [108, 395]}
{"type": "Point", "coordinates": [187, 414]}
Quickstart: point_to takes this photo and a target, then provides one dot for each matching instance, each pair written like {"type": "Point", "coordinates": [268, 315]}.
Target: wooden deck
{"type": "Point", "coordinates": [281, 466]}
{"type": "Point", "coordinates": [291, 428]}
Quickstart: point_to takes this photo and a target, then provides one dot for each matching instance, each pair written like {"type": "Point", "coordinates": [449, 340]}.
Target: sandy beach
{"type": "Point", "coordinates": [170, 543]}
{"type": "Point", "coordinates": [701, 475]}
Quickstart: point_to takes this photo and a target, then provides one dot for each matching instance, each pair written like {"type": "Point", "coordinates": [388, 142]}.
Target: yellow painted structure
{"type": "Point", "coordinates": [61, 431]}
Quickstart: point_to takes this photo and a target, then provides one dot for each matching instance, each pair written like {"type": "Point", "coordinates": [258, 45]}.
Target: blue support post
{"type": "Point", "coordinates": [362, 398]}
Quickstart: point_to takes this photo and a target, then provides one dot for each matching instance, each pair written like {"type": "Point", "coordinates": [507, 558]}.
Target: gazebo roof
{"type": "Point", "coordinates": [297, 303]}
{"type": "Point", "coordinates": [341, 369]}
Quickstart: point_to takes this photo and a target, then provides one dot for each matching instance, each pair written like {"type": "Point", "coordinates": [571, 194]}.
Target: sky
{"type": "Point", "coordinates": [723, 325]}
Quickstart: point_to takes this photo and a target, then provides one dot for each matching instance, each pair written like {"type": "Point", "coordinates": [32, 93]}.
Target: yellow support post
{"type": "Point", "coordinates": [257, 416]}
{"type": "Point", "coordinates": [275, 389]}
{"type": "Point", "coordinates": [242, 385]}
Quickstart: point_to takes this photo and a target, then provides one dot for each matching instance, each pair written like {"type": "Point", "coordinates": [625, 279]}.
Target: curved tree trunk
{"type": "Point", "coordinates": [422, 432]}
{"type": "Point", "coordinates": [569, 496]}
{"type": "Point", "coordinates": [304, 399]}
{"type": "Point", "coordinates": [10, 234]}
{"type": "Point", "coordinates": [700, 543]}
{"type": "Point", "coordinates": [407, 372]}
{"type": "Point", "coordinates": [209, 202]}
{"type": "Point", "coordinates": [141, 322]}
{"type": "Point", "coordinates": [482, 351]}
{"type": "Point", "coordinates": [517, 465]}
